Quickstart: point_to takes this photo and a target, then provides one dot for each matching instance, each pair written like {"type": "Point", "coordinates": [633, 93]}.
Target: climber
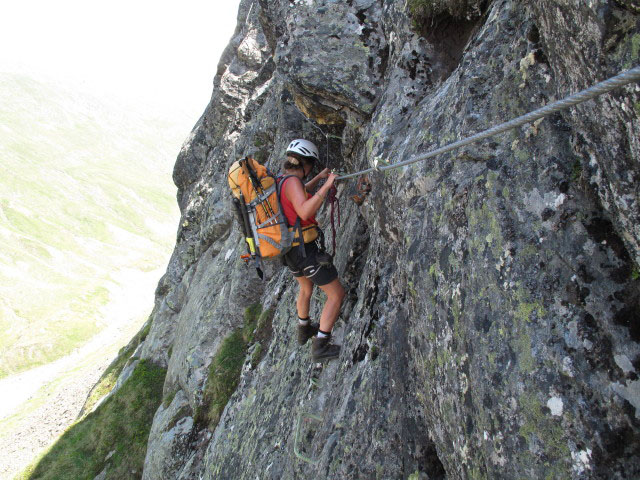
{"type": "Point", "coordinates": [310, 265]}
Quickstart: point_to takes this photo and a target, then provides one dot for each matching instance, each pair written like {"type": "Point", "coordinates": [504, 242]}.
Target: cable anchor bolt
{"type": "Point", "coordinates": [379, 162]}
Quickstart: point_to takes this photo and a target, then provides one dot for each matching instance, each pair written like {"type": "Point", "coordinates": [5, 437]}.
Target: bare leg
{"type": "Point", "coordinates": [304, 296]}
{"type": "Point", "coordinates": [335, 296]}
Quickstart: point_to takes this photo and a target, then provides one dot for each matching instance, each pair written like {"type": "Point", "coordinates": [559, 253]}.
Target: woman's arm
{"type": "Point", "coordinates": [306, 208]}
{"type": "Point", "coordinates": [312, 183]}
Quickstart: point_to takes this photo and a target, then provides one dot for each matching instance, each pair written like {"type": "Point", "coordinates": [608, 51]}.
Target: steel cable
{"type": "Point", "coordinates": [624, 78]}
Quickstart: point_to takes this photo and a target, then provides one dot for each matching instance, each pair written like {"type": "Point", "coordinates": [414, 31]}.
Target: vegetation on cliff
{"type": "Point", "coordinates": [226, 367]}
{"type": "Point", "coordinates": [110, 376]}
{"type": "Point", "coordinates": [112, 438]}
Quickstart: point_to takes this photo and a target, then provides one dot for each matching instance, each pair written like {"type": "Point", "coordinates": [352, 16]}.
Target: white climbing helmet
{"type": "Point", "coordinates": [304, 148]}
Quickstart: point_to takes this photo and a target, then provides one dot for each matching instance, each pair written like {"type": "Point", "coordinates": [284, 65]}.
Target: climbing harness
{"type": "Point", "coordinates": [624, 78]}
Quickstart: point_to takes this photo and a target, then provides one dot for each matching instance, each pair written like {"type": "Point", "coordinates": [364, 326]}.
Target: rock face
{"type": "Point", "coordinates": [491, 326]}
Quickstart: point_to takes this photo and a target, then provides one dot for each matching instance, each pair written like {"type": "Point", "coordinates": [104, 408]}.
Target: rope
{"type": "Point", "coordinates": [332, 197]}
{"type": "Point", "coordinates": [296, 439]}
{"type": "Point", "coordinates": [326, 135]}
{"type": "Point", "coordinates": [334, 201]}
{"type": "Point", "coordinates": [624, 78]}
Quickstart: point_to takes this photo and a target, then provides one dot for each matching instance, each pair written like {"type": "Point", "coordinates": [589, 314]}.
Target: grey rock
{"type": "Point", "coordinates": [490, 325]}
{"type": "Point", "coordinates": [124, 376]}
{"type": "Point", "coordinates": [102, 475]}
{"type": "Point", "coordinates": [170, 439]}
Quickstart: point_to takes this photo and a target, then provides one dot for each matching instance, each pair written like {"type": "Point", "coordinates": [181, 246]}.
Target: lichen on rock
{"type": "Point", "coordinates": [490, 328]}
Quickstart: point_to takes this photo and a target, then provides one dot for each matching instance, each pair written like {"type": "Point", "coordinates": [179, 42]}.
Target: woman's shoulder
{"type": "Point", "coordinates": [289, 189]}
{"type": "Point", "coordinates": [284, 180]}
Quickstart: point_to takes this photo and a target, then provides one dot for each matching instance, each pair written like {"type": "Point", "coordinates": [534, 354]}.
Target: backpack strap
{"type": "Point", "coordinates": [297, 227]}
{"type": "Point", "coordinates": [261, 195]}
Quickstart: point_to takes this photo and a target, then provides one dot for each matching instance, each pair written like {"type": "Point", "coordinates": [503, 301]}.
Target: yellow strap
{"type": "Point", "coordinates": [252, 245]}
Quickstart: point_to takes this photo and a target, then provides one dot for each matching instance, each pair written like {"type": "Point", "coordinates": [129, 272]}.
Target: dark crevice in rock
{"type": "Point", "coordinates": [618, 24]}
{"type": "Point", "coordinates": [602, 232]}
{"type": "Point", "coordinates": [362, 348]}
{"type": "Point", "coordinates": [269, 28]}
{"type": "Point", "coordinates": [540, 57]}
{"type": "Point", "coordinates": [422, 451]}
{"type": "Point", "coordinates": [629, 316]}
{"type": "Point", "coordinates": [533, 35]}
{"type": "Point", "coordinates": [356, 261]}
{"type": "Point", "coordinates": [616, 444]}
{"type": "Point", "coordinates": [360, 353]}
{"type": "Point", "coordinates": [384, 60]}
{"type": "Point", "coordinates": [449, 36]}
{"type": "Point", "coordinates": [372, 297]}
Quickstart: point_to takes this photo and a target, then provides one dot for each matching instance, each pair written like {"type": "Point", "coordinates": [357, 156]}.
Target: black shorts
{"type": "Point", "coordinates": [309, 266]}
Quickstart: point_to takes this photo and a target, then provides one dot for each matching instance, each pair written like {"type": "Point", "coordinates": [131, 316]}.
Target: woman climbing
{"type": "Point", "coordinates": [308, 263]}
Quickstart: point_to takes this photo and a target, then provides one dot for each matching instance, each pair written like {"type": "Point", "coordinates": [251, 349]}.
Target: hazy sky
{"type": "Point", "coordinates": [160, 51]}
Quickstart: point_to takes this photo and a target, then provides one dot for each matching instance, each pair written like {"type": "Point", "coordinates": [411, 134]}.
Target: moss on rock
{"type": "Point", "coordinates": [226, 366]}
{"type": "Point", "coordinates": [224, 376]}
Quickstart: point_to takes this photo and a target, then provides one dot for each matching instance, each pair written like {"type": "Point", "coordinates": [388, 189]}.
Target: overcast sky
{"type": "Point", "coordinates": [161, 51]}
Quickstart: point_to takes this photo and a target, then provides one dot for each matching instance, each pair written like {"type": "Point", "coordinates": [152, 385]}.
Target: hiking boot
{"type": "Point", "coordinates": [305, 332]}
{"type": "Point", "coordinates": [321, 349]}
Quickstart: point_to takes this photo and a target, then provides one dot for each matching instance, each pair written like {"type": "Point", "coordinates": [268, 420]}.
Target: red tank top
{"type": "Point", "coordinates": [290, 212]}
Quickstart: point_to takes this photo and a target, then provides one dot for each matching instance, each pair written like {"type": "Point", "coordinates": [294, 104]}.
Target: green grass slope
{"type": "Point", "coordinates": [113, 437]}
{"type": "Point", "coordinates": [85, 191]}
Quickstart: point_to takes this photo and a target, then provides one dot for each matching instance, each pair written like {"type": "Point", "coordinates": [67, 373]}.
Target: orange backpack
{"type": "Point", "coordinates": [256, 196]}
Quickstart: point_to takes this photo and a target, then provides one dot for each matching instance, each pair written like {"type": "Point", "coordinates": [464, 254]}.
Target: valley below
{"type": "Point", "coordinates": [87, 223]}
{"type": "Point", "coordinates": [45, 400]}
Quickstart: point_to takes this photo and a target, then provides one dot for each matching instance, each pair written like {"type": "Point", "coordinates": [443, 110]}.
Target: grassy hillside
{"type": "Point", "coordinates": [85, 192]}
{"type": "Point", "coordinates": [112, 438]}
